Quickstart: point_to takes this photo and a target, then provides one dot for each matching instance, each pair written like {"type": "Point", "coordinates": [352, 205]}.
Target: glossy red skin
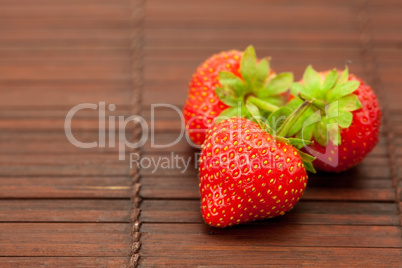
{"type": "Point", "coordinates": [357, 140]}
{"type": "Point", "coordinates": [260, 177]}
{"type": "Point", "coordinates": [202, 104]}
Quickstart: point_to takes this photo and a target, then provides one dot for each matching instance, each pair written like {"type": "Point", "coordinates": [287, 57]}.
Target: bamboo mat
{"type": "Point", "coordinates": [343, 220]}
{"type": "Point", "coordinates": [61, 206]}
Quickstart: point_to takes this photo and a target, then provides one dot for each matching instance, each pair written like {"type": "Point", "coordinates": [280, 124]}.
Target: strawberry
{"type": "Point", "coordinates": [248, 174]}
{"type": "Point", "coordinates": [344, 121]}
{"type": "Point", "coordinates": [221, 85]}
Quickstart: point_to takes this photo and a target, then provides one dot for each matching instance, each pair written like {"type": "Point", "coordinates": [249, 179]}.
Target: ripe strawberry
{"type": "Point", "coordinates": [246, 174]}
{"type": "Point", "coordinates": [223, 82]}
{"type": "Point", "coordinates": [347, 118]}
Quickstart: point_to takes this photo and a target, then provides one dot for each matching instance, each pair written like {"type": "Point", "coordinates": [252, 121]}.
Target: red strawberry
{"type": "Point", "coordinates": [223, 82]}
{"type": "Point", "coordinates": [202, 104]}
{"type": "Point", "coordinates": [343, 99]}
{"type": "Point", "coordinates": [247, 174]}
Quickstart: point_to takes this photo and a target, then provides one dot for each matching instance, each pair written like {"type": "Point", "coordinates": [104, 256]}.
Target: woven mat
{"type": "Point", "coordinates": [69, 207]}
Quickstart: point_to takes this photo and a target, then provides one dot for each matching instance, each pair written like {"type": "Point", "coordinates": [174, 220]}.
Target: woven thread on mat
{"type": "Point", "coordinates": [136, 47]}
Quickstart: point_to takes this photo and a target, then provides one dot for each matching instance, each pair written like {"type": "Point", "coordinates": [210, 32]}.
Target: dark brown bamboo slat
{"type": "Point", "coordinates": [65, 210]}
{"type": "Point", "coordinates": [50, 138]}
{"type": "Point", "coordinates": [65, 261]}
{"type": "Point", "coordinates": [62, 159]}
{"type": "Point", "coordinates": [186, 188]}
{"type": "Point", "coordinates": [306, 212]}
{"type": "Point", "coordinates": [65, 187]}
{"type": "Point", "coordinates": [72, 70]}
{"type": "Point", "coordinates": [279, 256]}
{"type": "Point", "coordinates": [203, 237]}
{"type": "Point", "coordinates": [63, 10]}
{"type": "Point", "coordinates": [64, 170]}
{"type": "Point", "coordinates": [67, 94]}
{"type": "Point", "coordinates": [58, 125]}
{"type": "Point", "coordinates": [58, 147]}
{"type": "Point", "coordinates": [65, 239]}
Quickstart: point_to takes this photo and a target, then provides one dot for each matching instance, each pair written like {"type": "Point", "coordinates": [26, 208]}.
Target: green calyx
{"type": "Point", "coordinates": [256, 85]}
{"type": "Point", "coordinates": [333, 102]}
{"type": "Point", "coordinates": [279, 123]}
{"type": "Point", "coordinates": [258, 96]}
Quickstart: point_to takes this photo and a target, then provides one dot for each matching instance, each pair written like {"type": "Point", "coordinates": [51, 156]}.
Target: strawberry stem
{"type": "Point", "coordinates": [292, 119]}
{"type": "Point", "coordinates": [266, 106]}
{"type": "Point", "coordinates": [317, 103]}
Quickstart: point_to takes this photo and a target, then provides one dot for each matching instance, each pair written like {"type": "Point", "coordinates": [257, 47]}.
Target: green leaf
{"type": "Point", "coordinates": [306, 133]}
{"type": "Point", "coordinates": [312, 81]}
{"type": "Point", "coordinates": [248, 64]}
{"type": "Point", "coordinates": [231, 81]}
{"type": "Point", "coordinates": [320, 133]}
{"type": "Point", "coordinates": [309, 167]}
{"type": "Point", "coordinates": [227, 96]}
{"type": "Point", "coordinates": [345, 119]}
{"type": "Point", "coordinates": [243, 111]}
{"type": "Point", "coordinates": [253, 110]}
{"type": "Point", "coordinates": [276, 100]}
{"type": "Point", "coordinates": [334, 134]}
{"type": "Point", "coordinates": [276, 119]}
{"type": "Point", "coordinates": [311, 116]}
{"type": "Point", "coordinates": [227, 78]}
{"type": "Point", "coordinates": [342, 90]}
{"type": "Point", "coordinates": [343, 77]}
{"type": "Point", "coordinates": [294, 104]}
{"type": "Point", "coordinates": [296, 87]}
{"type": "Point", "coordinates": [330, 80]}
{"type": "Point", "coordinates": [332, 110]}
{"type": "Point", "coordinates": [307, 159]}
{"type": "Point", "coordinates": [262, 73]}
{"type": "Point", "coordinates": [279, 84]}
{"type": "Point", "coordinates": [298, 143]}
{"type": "Point", "coordinates": [350, 103]}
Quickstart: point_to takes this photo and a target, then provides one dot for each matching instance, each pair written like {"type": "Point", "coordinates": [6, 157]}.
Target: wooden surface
{"type": "Point", "coordinates": [351, 219]}
{"type": "Point", "coordinates": [62, 206]}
